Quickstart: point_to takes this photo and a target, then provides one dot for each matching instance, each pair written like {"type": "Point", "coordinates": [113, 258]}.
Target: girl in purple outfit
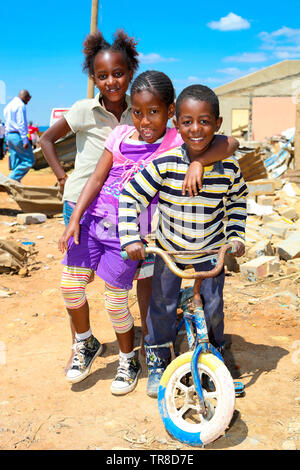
{"type": "Point", "coordinates": [91, 237]}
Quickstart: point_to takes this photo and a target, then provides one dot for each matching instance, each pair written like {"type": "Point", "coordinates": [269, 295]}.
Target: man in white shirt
{"type": "Point", "coordinates": [16, 130]}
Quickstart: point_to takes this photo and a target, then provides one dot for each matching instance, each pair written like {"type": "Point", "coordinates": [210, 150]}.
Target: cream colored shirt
{"type": "Point", "coordinates": [92, 124]}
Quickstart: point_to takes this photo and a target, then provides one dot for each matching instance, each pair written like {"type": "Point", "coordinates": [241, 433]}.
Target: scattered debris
{"type": "Point", "coordinates": [14, 258]}
{"type": "Point", "coordinates": [31, 218]}
{"type": "Point", "coordinates": [43, 199]}
{"type": "Point", "coordinates": [273, 158]}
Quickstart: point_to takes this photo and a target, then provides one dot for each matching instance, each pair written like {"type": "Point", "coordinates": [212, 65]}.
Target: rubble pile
{"type": "Point", "coordinates": [272, 230]}
{"type": "Point", "coordinates": [14, 259]}
{"type": "Point", "coordinates": [273, 158]}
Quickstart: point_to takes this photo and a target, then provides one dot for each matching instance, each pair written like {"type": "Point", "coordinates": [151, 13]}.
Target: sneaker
{"type": "Point", "coordinates": [127, 376]}
{"type": "Point", "coordinates": [156, 367]}
{"type": "Point", "coordinates": [86, 352]}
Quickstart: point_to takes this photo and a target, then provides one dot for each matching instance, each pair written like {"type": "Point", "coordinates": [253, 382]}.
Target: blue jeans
{"type": "Point", "coordinates": [21, 160]}
{"type": "Point", "coordinates": [162, 312]}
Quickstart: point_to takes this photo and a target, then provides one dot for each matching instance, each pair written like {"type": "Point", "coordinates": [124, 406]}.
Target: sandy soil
{"type": "Point", "coordinates": [40, 410]}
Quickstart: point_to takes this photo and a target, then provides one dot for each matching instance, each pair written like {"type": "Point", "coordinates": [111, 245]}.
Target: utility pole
{"type": "Point", "coordinates": [297, 135]}
{"type": "Point", "coordinates": [94, 26]}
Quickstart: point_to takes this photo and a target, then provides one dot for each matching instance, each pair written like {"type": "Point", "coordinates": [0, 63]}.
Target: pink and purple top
{"type": "Point", "coordinates": [128, 159]}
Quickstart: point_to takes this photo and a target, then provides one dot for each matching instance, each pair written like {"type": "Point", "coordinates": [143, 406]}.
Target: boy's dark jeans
{"type": "Point", "coordinates": [162, 312]}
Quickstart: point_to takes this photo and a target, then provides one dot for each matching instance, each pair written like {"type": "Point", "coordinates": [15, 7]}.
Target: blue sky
{"type": "Point", "coordinates": [193, 42]}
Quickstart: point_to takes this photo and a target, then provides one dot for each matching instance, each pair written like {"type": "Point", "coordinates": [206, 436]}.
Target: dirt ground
{"type": "Point", "coordinates": [39, 410]}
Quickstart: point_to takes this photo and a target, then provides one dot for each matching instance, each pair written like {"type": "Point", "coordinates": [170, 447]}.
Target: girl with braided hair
{"type": "Point", "coordinates": [91, 237]}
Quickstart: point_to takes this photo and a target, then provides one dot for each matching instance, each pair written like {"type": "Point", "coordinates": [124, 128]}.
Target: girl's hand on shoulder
{"type": "Point", "coordinates": [193, 179]}
{"type": "Point", "coordinates": [73, 229]}
{"type": "Point", "coordinates": [136, 251]}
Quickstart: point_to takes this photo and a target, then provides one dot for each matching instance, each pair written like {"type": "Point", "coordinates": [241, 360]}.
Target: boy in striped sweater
{"type": "Point", "coordinates": [185, 223]}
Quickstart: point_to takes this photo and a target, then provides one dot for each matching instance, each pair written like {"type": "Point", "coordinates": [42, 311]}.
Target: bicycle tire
{"type": "Point", "coordinates": [177, 421]}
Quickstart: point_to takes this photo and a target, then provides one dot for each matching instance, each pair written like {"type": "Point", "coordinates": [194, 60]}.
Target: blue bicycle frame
{"type": "Point", "coordinates": [197, 336]}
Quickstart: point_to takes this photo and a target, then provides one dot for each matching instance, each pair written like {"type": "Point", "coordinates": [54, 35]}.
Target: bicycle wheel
{"type": "Point", "coordinates": [178, 404]}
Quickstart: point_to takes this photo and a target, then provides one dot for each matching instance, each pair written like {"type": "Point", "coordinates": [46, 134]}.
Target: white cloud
{"type": "Point", "coordinates": [231, 22]}
{"type": "Point", "coordinates": [285, 54]}
{"type": "Point", "coordinates": [281, 37]}
{"type": "Point", "coordinates": [230, 71]}
{"type": "Point", "coordinates": [247, 57]}
{"type": "Point", "coordinates": [234, 72]}
{"type": "Point", "coordinates": [194, 79]}
{"type": "Point", "coordinates": [284, 42]}
{"type": "Point", "coordinates": [154, 58]}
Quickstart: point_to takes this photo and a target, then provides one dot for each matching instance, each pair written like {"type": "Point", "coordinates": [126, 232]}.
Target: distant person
{"type": "Point", "coordinates": [33, 134]}
{"type": "Point", "coordinates": [2, 136]}
{"type": "Point", "coordinates": [16, 130]}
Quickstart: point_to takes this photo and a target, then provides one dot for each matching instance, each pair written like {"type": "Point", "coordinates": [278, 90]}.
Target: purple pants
{"type": "Point", "coordinates": [99, 249]}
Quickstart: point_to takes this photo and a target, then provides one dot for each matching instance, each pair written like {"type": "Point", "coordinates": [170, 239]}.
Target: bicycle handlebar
{"type": "Point", "coordinates": [166, 256]}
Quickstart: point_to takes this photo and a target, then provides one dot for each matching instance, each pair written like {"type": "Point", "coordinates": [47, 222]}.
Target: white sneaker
{"type": "Point", "coordinates": [127, 376]}
{"type": "Point", "coordinates": [86, 352]}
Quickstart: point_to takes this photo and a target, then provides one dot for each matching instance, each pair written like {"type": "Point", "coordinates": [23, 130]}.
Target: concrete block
{"type": "Point", "coordinates": [261, 187]}
{"type": "Point", "coordinates": [290, 247]}
{"type": "Point", "coordinates": [252, 235]}
{"type": "Point", "coordinates": [260, 267]}
{"type": "Point", "coordinates": [261, 248]}
{"type": "Point", "coordinates": [288, 213]}
{"type": "Point", "coordinates": [265, 200]}
{"type": "Point", "coordinates": [275, 228]}
{"type": "Point", "coordinates": [294, 262]}
{"type": "Point", "coordinates": [291, 189]}
{"type": "Point", "coordinates": [271, 218]}
{"type": "Point", "coordinates": [33, 218]}
{"type": "Point", "coordinates": [258, 209]}
{"type": "Point", "coordinates": [296, 226]}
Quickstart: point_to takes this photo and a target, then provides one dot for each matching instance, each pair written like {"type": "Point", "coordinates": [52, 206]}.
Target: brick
{"type": "Point", "coordinates": [258, 209]}
{"type": "Point", "coordinates": [290, 248]}
{"type": "Point", "coordinates": [288, 213]}
{"type": "Point", "coordinates": [260, 267]}
{"type": "Point", "coordinates": [265, 200]}
{"type": "Point", "coordinates": [261, 248]}
{"type": "Point", "coordinates": [33, 218]}
{"type": "Point", "coordinates": [291, 189]}
{"type": "Point", "coordinates": [275, 228]}
{"type": "Point", "coordinates": [261, 187]}
{"type": "Point", "coordinates": [272, 218]}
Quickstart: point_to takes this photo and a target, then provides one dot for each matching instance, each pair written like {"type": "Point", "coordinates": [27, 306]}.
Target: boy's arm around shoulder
{"type": "Point", "coordinates": [220, 148]}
